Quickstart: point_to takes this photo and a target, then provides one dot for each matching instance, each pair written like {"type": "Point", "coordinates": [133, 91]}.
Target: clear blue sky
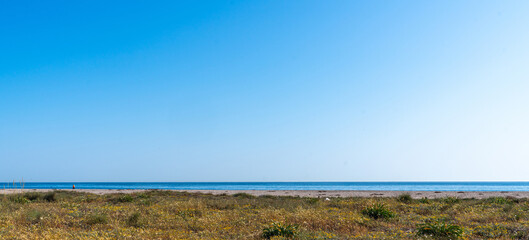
{"type": "Point", "coordinates": [264, 90]}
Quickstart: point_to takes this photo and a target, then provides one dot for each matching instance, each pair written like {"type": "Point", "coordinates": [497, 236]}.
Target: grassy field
{"type": "Point", "coordinates": [174, 215]}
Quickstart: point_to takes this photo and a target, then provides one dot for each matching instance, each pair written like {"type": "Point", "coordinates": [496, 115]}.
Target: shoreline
{"type": "Point", "coordinates": [306, 193]}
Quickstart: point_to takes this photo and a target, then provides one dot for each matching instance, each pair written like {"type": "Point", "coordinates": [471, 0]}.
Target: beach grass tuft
{"type": "Point", "coordinates": [277, 229]}
{"type": "Point", "coordinates": [439, 230]}
{"type": "Point", "coordinates": [378, 211]}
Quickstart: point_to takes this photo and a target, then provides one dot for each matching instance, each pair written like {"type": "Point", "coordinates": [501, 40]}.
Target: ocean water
{"type": "Point", "coordinates": [374, 186]}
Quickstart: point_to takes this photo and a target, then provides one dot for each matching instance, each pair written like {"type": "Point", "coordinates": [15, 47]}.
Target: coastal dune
{"type": "Point", "coordinates": [306, 193]}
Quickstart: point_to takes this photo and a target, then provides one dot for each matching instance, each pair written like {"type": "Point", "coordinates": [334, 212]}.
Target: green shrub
{"type": "Point", "coordinates": [268, 196]}
{"type": "Point", "coordinates": [405, 198]}
{"type": "Point", "coordinates": [35, 196]}
{"type": "Point", "coordinates": [143, 196]}
{"type": "Point", "coordinates": [32, 196]}
{"type": "Point", "coordinates": [145, 202]}
{"type": "Point", "coordinates": [438, 229]}
{"type": "Point", "coordinates": [280, 230]}
{"type": "Point", "coordinates": [451, 200]}
{"type": "Point", "coordinates": [49, 197]}
{"type": "Point", "coordinates": [124, 199]}
{"type": "Point", "coordinates": [243, 195]}
{"type": "Point", "coordinates": [498, 200]}
{"type": "Point", "coordinates": [424, 200]}
{"type": "Point", "coordinates": [97, 219]}
{"type": "Point", "coordinates": [34, 216]}
{"type": "Point", "coordinates": [18, 199]}
{"type": "Point", "coordinates": [378, 211]}
{"type": "Point", "coordinates": [134, 220]}
{"type": "Point", "coordinates": [312, 200]}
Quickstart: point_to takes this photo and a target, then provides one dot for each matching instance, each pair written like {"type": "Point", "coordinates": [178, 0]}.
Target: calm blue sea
{"type": "Point", "coordinates": [376, 186]}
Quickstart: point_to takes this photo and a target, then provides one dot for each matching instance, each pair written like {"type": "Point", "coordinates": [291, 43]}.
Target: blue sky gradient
{"type": "Point", "coordinates": [264, 90]}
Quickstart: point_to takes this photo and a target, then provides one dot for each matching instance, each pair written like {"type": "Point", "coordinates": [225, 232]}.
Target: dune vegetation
{"type": "Point", "coordinates": [179, 215]}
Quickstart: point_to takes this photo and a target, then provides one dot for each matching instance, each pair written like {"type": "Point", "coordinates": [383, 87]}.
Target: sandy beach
{"type": "Point", "coordinates": [306, 193]}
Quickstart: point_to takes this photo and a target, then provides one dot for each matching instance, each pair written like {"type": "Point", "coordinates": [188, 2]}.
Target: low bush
{"type": "Point", "coordinates": [134, 220]}
{"type": "Point", "coordinates": [451, 200]}
{"type": "Point", "coordinates": [143, 196]}
{"type": "Point", "coordinates": [49, 197]}
{"type": "Point", "coordinates": [123, 199]}
{"type": "Point", "coordinates": [312, 200]}
{"type": "Point", "coordinates": [243, 195]}
{"type": "Point", "coordinates": [36, 196]}
{"type": "Point", "coordinates": [97, 219]}
{"type": "Point", "coordinates": [405, 198]}
{"type": "Point", "coordinates": [18, 199]}
{"type": "Point", "coordinates": [32, 196]}
{"type": "Point", "coordinates": [498, 200]}
{"type": "Point", "coordinates": [34, 216]}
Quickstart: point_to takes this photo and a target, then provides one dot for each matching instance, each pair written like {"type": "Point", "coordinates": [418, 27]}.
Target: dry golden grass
{"type": "Point", "coordinates": [174, 215]}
